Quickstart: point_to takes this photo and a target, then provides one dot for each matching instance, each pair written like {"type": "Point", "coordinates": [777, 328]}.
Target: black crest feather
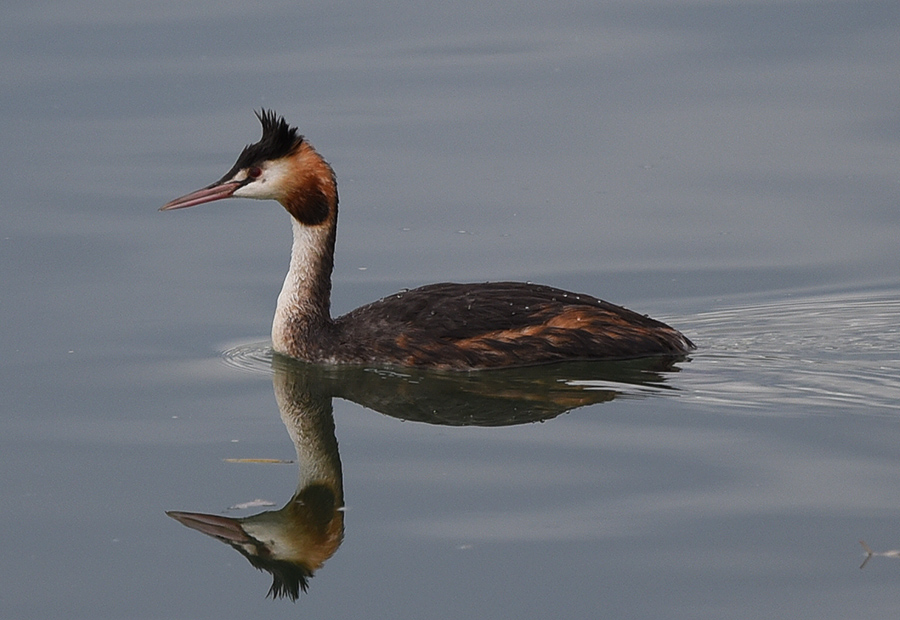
{"type": "Point", "coordinates": [278, 140]}
{"type": "Point", "coordinates": [289, 579]}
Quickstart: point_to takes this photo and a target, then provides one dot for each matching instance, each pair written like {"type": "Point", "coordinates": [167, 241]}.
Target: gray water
{"type": "Point", "coordinates": [728, 167]}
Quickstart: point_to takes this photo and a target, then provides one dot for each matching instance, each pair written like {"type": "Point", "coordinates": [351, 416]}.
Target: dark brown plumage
{"type": "Point", "coordinates": [498, 324]}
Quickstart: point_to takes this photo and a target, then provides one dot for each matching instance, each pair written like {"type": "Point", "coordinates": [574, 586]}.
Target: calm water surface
{"type": "Point", "coordinates": [729, 168]}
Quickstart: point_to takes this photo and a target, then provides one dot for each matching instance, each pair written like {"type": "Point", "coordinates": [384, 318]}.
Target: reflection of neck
{"type": "Point", "coordinates": [307, 415]}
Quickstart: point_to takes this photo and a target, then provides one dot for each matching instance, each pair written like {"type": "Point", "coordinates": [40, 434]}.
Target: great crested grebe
{"type": "Point", "coordinates": [447, 326]}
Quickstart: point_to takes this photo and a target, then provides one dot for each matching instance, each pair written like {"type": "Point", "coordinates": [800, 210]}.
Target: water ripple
{"type": "Point", "coordinates": [255, 357]}
{"type": "Point", "coordinates": [833, 352]}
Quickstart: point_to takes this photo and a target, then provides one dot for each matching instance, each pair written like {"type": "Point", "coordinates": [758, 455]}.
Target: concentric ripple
{"type": "Point", "coordinates": [255, 357]}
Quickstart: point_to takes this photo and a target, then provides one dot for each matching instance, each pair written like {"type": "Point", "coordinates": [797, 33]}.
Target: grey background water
{"type": "Point", "coordinates": [730, 167]}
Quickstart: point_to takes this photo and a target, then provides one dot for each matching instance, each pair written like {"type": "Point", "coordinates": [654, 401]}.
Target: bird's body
{"type": "Point", "coordinates": [488, 325]}
{"type": "Point", "coordinates": [450, 326]}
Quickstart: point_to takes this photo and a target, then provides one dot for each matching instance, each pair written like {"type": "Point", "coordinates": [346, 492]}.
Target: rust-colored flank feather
{"type": "Point", "coordinates": [446, 326]}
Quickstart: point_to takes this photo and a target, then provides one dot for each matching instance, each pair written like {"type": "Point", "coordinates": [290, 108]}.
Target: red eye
{"type": "Point", "coordinates": [254, 172]}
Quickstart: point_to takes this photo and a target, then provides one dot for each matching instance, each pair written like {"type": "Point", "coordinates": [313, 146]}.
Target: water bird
{"type": "Point", "coordinates": [453, 326]}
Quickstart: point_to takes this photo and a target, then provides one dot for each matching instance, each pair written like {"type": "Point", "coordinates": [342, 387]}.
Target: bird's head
{"type": "Point", "coordinates": [282, 166]}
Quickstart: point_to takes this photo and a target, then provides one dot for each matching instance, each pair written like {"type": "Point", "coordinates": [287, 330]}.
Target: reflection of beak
{"type": "Point", "coordinates": [216, 191]}
{"type": "Point", "coordinates": [225, 529]}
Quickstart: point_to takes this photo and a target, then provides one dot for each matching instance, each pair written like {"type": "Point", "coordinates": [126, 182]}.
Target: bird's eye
{"type": "Point", "coordinates": [254, 172]}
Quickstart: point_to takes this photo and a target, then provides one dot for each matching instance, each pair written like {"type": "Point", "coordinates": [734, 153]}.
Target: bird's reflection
{"type": "Point", "coordinates": [490, 398]}
{"type": "Point", "coordinates": [293, 542]}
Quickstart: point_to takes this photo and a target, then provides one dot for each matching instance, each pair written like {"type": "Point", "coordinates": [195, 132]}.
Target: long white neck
{"type": "Point", "coordinates": [303, 312]}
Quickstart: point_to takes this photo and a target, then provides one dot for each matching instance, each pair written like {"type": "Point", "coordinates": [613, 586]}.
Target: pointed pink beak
{"type": "Point", "coordinates": [207, 194]}
{"type": "Point", "coordinates": [223, 528]}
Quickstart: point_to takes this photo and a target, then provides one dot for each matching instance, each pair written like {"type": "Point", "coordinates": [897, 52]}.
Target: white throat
{"type": "Point", "coordinates": [301, 303]}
